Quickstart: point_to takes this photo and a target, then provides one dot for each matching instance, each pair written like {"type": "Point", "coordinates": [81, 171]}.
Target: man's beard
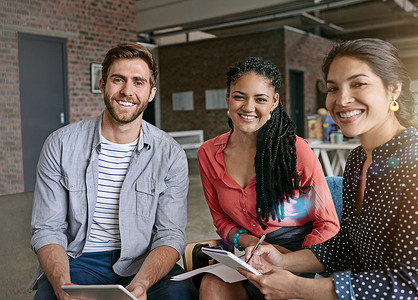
{"type": "Point", "coordinates": [117, 118]}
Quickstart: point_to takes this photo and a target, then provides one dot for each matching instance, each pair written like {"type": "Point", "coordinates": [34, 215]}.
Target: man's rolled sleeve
{"type": "Point", "coordinates": [50, 200]}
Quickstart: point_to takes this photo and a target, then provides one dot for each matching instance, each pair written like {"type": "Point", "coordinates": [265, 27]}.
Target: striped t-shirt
{"type": "Point", "coordinates": [113, 165]}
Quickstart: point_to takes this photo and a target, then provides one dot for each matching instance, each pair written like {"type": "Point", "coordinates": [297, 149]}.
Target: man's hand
{"type": "Point", "coordinates": [61, 295]}
{"type": "Point", "coordinates": [157, 264]}
{"type": "Point", "coordinates": [138, 289]}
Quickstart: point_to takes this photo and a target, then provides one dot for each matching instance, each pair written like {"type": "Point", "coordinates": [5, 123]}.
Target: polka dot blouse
{"type": "Point", "coordinates": [374, 256]}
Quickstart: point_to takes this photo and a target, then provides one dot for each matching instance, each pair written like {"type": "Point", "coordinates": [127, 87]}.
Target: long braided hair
{"type": "Point", "coordinates": [275, 159]}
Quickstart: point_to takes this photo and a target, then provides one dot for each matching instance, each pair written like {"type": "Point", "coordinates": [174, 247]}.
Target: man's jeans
{"type": "Point", "coordinates": [96, 268]}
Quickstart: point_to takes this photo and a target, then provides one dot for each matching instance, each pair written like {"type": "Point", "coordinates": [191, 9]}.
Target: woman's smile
{"type": "Point", "coordinates": [250, 101]}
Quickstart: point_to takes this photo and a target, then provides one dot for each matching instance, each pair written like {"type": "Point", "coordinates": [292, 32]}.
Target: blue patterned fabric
{"type": "Point", "coordinates": [335, 185]}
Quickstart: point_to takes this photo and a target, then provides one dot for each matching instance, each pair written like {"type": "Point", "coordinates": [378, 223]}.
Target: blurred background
{"type": "Point", "coordinates": [51, 51]}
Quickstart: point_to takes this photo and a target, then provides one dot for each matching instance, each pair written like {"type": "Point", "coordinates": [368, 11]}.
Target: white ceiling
{"type": "Point", "coordinates": [173, 21]}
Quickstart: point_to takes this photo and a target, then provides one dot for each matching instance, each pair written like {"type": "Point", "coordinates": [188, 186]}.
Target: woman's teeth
{"type": "Point", "coordinates": [350, 114]}
{"type": "Point", "coordinates": [247, 117]}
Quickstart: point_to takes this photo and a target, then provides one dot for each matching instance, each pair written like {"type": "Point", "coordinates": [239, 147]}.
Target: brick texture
{"type": "Point", "coordinates": [305, 52]}
{"type": "Point", "coordinates": [202, 65]}
{"type": "Point", "coordinates": [90, 27]}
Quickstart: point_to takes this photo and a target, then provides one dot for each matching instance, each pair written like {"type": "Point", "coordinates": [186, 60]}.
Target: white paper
{"type": "Point", "coordinates": [225, 269]}
{"type": "Point", "coordinates": [224, 272]}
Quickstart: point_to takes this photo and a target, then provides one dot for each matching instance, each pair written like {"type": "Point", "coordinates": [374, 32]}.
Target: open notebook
{"type": "Point", "coordinates": [226, 269]}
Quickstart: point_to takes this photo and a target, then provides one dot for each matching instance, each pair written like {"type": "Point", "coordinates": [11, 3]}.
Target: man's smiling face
{"type": "Point", "coordinates": [127, 90]}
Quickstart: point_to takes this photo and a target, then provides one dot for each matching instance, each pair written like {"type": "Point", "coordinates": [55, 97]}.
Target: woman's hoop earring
{"type": "Point", "coordinates": [269, 117]}
{"type": "Point", "coordinates": [227, 113]}
{"type": "Point", "coordinates": [394, 106]}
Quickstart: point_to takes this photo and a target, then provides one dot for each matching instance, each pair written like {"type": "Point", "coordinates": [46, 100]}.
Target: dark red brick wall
{"type": "Point", "coordinates": [202, 65]}
{"type": "Point", "coordinates": [305, 52]}
{"type": "Point", "coordinates": [90, 28]}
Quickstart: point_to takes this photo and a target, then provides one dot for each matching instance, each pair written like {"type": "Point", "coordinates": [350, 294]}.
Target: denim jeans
{"type": "Point", "coordinates": [96, 268]}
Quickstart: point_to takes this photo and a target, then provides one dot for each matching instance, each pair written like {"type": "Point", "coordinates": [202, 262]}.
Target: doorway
{"type": "Point", "coordinates": [43, 95]}
{"type": "Point", "coordinates": [297, 101]}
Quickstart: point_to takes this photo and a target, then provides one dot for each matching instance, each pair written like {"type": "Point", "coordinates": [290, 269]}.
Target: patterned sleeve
{"type": "Point", "coordinates": [329, 255]}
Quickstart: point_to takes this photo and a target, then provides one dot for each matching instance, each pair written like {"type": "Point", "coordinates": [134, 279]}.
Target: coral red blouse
{"type": "Point", "coordinates": [231, 205]}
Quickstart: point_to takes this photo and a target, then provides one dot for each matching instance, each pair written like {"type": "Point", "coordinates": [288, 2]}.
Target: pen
{"type": "Point", "coordinates": [256, 246]}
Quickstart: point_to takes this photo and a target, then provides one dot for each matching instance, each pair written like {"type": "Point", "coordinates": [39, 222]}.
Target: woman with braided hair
{"type": "Point", "coordinates": [260, 178]}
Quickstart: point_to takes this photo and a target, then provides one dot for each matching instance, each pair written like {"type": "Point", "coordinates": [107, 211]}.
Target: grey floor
{"type": "Point", "coordinates": [18, 262]}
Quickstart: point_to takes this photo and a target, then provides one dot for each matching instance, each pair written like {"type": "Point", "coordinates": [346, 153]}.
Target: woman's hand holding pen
{"type": "Point", "coordinates": [274, 283]}
{"type": "Point", "coordinates": [265, 258]}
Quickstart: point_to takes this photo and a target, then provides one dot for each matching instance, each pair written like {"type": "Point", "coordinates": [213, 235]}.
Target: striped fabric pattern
{"type": "Point", "coordinates": [113, 165]}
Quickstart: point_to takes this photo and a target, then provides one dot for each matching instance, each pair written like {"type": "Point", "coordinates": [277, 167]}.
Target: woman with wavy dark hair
{"type": "Point", "coordinates": [374, 256]}
{"type": "Point", "coordinates": [260, 178]}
